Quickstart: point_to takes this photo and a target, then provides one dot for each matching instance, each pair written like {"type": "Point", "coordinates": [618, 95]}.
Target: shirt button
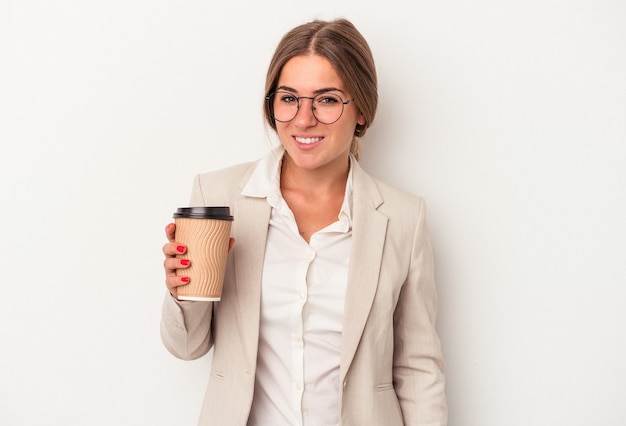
{"type": "Point", "coordinates": [303, 295]}
{"type": "Point", "coordinates": [298, 386]}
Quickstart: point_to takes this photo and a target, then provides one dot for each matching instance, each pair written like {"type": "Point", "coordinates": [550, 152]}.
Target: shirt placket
{"type": "Point", "coordinates": [308, 256]}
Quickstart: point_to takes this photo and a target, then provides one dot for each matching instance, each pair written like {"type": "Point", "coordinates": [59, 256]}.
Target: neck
{"type": "Point", "coordinates": [320, 180]}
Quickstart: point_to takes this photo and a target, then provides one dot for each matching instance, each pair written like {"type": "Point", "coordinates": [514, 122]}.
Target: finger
{"type": "Point", "coordinates": [173, 282]}
{"type": "Point", "coordinates": [170, 232]}
{"type": "Point", "coordinates": [231, 243]}
{"type": "Point", "coordinates": [173, 248]}
{"type": "Point", "coordinates": [174, 263]}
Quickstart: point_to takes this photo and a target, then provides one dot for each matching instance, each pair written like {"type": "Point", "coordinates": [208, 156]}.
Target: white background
{"type": "Point", "coordinates": [508, 116]}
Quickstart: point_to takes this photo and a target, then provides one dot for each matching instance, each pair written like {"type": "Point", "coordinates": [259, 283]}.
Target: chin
{"type": "Point", "coordinates": [306, 161]}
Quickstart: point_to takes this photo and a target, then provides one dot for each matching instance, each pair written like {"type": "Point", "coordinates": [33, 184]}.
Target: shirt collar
{"type": "Point", "coordinates": [265, 183]}
{"type": "Point", "coordinates": [266, 176]}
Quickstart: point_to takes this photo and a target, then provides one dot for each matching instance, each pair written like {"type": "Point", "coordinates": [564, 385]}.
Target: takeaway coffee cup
{"type": "Point", "coordinates": [206, 233]}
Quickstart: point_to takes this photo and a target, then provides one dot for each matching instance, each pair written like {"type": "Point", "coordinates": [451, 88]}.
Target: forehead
{"type": "Point", "coordinates": [309, 73]}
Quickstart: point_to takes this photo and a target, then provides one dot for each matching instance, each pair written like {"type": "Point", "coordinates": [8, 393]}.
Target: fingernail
{"type": "Point", "coordinates": [180, 249]}
{"type": "Point", "coordinates": [184, 262]}
{"type": "Point", "coordinates": [185, 279]}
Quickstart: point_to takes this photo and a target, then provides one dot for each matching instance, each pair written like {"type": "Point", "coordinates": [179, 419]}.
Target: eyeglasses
{"type": "Point", "coordinates": [327, 107]}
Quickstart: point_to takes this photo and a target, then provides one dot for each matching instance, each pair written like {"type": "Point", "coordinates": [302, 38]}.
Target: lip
{"type": "Point", "coordinates": [307, 142]}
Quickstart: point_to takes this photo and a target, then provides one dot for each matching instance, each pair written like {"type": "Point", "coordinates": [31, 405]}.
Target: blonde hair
{"type": "Point", "coordinates": [348, 52]}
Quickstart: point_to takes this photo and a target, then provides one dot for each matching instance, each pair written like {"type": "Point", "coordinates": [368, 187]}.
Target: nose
{"type": "Point", "coordinates": [305, 117]}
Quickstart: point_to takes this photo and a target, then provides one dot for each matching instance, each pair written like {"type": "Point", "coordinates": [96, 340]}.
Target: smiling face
{"type": "Point", "coordinates": [309, 144]}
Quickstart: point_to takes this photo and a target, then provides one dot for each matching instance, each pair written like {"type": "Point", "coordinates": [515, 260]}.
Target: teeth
{"type": "Point", "coordinates": [307, 140]}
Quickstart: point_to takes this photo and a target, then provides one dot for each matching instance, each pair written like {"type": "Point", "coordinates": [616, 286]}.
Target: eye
{"type": "Point", "coordinates": [327, 100]}
{"type": "Point", "coordinates": [288, 98]}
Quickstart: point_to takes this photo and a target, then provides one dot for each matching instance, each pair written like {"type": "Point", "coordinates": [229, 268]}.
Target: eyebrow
{"type": "Point", "coordinates": [315, 92]}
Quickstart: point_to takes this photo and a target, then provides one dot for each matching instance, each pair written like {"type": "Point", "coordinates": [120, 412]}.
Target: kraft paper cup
{"type": "Point", "coordinates": [206, 233]}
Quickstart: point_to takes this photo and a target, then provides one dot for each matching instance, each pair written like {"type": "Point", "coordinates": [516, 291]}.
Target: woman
{"type": "Point", "coordinates": [328, 311]}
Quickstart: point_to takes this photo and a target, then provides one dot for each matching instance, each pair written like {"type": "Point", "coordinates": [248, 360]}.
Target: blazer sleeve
{"type": "Point", "coordinates": [418, 369]}
{"type": "Point", "coordinates": [186, 325]}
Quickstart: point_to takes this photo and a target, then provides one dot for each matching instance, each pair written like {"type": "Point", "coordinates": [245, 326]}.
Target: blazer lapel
{"type": "Point", "coordinates": [368, 237]}
{"type": "Point", "coordinates": [252, 216]}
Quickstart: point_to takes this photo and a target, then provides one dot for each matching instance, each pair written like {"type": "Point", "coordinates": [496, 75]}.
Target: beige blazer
{"type": "Point", "coordinates": [392, 369]}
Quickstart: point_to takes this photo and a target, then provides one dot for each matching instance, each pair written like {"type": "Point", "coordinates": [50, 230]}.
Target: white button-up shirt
{"type": "Point", "coordinates": [302, 301]}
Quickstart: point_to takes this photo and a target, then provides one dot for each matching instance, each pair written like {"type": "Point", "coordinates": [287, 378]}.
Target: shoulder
{"type": "Point", "coordinates": [220, 186]}
{"type": "Point", "coordinates": [393, 194]}
{"type": "Point", "coordinates": [232, 173]}
{"type": "Point", "coordinates": [228, 179]}
{"type": "Point", "coordinates": [385, 197]}
{"type": "Point", "coordinates": [404, 212]}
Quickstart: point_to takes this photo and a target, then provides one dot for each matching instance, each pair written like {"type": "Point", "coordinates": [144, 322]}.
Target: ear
{"type": "Point", "coordinates": [361, 120]}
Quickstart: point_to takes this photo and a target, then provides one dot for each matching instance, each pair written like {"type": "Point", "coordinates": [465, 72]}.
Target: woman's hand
{"type": "Point", "coordinates": [172, 263]}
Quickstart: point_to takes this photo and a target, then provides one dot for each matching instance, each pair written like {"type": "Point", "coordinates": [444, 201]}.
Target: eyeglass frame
{"type": "Point", "coordinates": [297, 98]}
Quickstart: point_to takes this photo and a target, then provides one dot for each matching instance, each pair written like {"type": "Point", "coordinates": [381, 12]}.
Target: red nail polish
{"type": "Point", "coordinates": [180, 249]}
{"type": "Point", "coordinates": [184, 262]}
{"type": "Point", "coordinates": [185, 279]}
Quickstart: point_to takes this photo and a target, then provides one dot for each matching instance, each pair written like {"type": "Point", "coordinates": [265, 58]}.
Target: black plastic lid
{"type": "Point", "coordinates": [221, 213]}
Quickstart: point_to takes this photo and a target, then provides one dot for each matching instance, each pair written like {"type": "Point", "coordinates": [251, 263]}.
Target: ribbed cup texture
{"type": "Point", "coordinates": [207, 249]}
